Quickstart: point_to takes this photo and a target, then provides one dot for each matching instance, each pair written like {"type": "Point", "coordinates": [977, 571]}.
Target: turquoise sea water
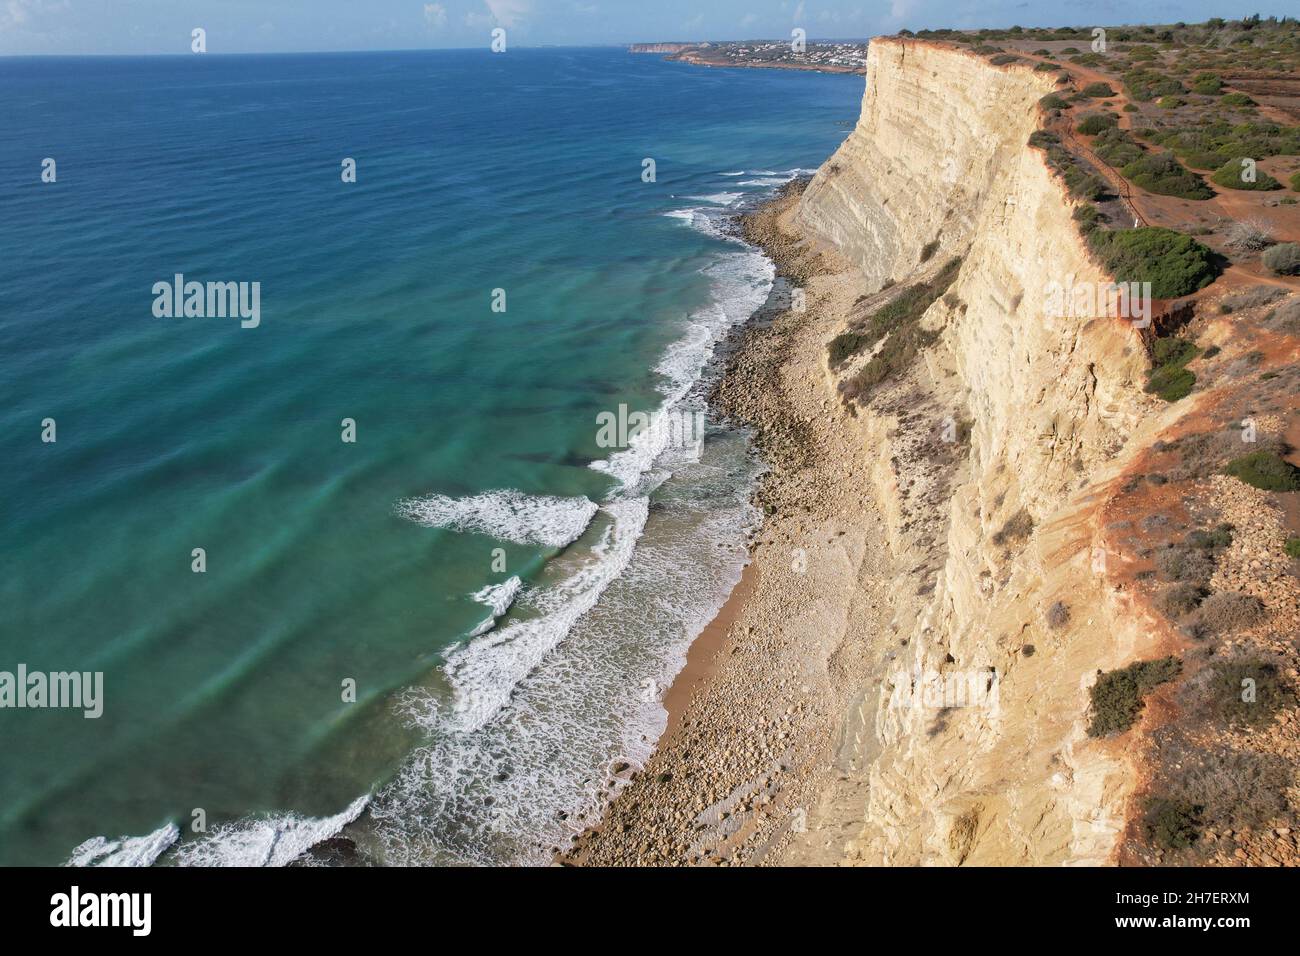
{"type": "Point", "coordinates": [470, 483]}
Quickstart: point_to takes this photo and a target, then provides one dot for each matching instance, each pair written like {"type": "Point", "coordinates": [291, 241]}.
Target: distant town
{"type": "Point", "coordinates": [842, 56]}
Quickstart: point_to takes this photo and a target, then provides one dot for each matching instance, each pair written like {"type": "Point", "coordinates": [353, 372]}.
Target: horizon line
{"type": "Point", "coordinates": [437, 49]}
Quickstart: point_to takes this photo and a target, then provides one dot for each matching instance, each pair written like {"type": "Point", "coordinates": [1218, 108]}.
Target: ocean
{"type": "Point", "coordinates": [383, 573]}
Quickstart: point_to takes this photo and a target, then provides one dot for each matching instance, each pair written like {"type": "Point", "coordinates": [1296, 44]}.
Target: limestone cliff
{"type": "Point", "coordinates": [937, 168]}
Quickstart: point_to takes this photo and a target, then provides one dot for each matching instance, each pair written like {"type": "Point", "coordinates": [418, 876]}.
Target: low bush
{"type": "Point", "coordinates": [1169, 378]}
{"type": "Point", "coordinates": [1172, 824]}
{"type": "Point", "coordinates": [898, 322]}
{"type": "Point", "coordinates": [1097, 91]}
{"type": "Point", "coordinates": [844, 346]}
{"type": "Point", "coordinates": [1237, 100]}
{"type": "Point", "coordinates": [1116, 148]}
{"type": "Point", "coordinates": [1251, 298]}
{"type": "Point", "coordinates": [1213, 540]}
{"type": "Point", "coordinates": [1231, 175]}
{"type": "Point", "coordinates": [1088, 217]}
{"type": "Point", "coordinates": [1179, 600]}
{"type": "Point", "coordinates": [1227, 611]}
{"type": "Point", "coordinates": [1295, 181]}
{"type": "Point", "coordinates": [1094, 123]}
{"type": "Point", "coordinates": [1116, 697]}
{"type": "Point", "coordinates": [1146, 84]}
{"type": "Point", "coordinates": [1285, 318]}
{"type": "Point", "coordinates": [1164, 175]}
{"type": "Point", "coordinates": [1171, 383]}
{"type": "Point", "coordinates": [1053, 102]}
{"type": "Point", "coordinates": [1284, 258]}
{"type": "Point", "coordinates": [1246, 237]}
{"type": "Point", "coordinates": [1058, 615]}
{"type": "Point", "coordinates": [1179, 563]}
{"type": "Point", "coordinates": [1239, 691]}
{"type": "Point", "coordinates": [1016, 528]}
{"type": "Point", "coordinates": [1207, 84]}
{"type": "Point", "coordinates": [1265, 470]}
{"type": "Point", "coordinates": [1292, 547]}
{"type": "Point", "coordinates": [1174, 264]}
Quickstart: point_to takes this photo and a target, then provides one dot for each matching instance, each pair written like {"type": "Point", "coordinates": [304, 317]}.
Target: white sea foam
{"type": "Point", "coordinates": [498, 597]}
{"type": "Point", "coordinates": [739, 172]}
{"type": "Point", "coordinates": [540, 703]}
{"type": "Point", "coordinates": [741, 281]}
{"type": "Point", "coordinates": [720, 199]}
{"type": "Point", "coordinates": [484, 672]}
{"type": "Point", "coordinates": [507, 515]}
{"type": "Point", "coordinates": [125, 851]}
{"type": "Point", "coordinates": [265, 841]}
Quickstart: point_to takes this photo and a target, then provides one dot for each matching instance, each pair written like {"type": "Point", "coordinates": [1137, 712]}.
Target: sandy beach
{"type": "Point", "coordinates": [757, 724]}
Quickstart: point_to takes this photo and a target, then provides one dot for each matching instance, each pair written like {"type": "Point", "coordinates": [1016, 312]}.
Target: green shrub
{"type": "Point", "coordinates": [1094, 123]}
{"type": "Point", "coordinates": [1002, 59]}
{"type": "Point", "coordinates": [1171, 383]}
{"type": "Point", "coordinates": [1241, 691]}
{"type": "Point", "coordinates": [1169, 379]}
{"type": "Point", "coordinates": [898, 322]}
{"type": "Point", "coordinates": [1172, 824]}
{"type": "Point", "coordinates": [1043, 139]}
{"type": "Point", "coordinates": [929, 249]}
{"type": "Point", "coordinates": [1292, 547]}
{"type": "Point", "coordinates": [1207, 84]}
{"type": "Point", "coordinates": [1230, 175]}
{"type": "Point", "coordinates": [1212, 540]}
{"type": "Point", "coordinates": [1265, 470]}
{"type": "Point", "coordinates": [1117, 148]}
{"type": "Point", "coordinates": [1179, 600]}
{"type": "Point", "coordinates": [1116, 697]}
{"type": "Point", "coordinates": [1237, 100]}
{"type": "Point", "coordinates": [1164, 175]}
{"type": "Point", "coordinates": [1145, 84]}
{"type": "Point", "coordinates": [1046, 67]}
{"type": "Point", "coordinates": [1097, 91]}
{"type": "Point", "coordinates": [1284, 258]}
{"type": "Point", "coordinates": [1053, 102]}
{"type": "Point", "coordinates": [1173, 351]}
{"type": "Point", "coordinates": [1171, 102]}
{"type": "Point", "coordinates": [1295, 181]}
{"type": "Point", "coordinates": [1174, 264]}
{"type": "Point", "coordinates": [1088, 217]}
{"type": "Point", "coordinates": [844, 346]}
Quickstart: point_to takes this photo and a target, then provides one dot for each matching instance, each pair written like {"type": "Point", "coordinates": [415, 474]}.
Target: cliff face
{"type": "Point", "coordinates": [996, 537]}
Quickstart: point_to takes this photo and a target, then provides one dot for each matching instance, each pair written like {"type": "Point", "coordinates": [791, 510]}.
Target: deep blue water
{"type": "Point", "coordinates": [330, 561]}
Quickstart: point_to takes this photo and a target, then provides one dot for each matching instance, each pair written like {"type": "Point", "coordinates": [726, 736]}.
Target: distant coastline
{"type": "Point", "coordinates": [841, 57]}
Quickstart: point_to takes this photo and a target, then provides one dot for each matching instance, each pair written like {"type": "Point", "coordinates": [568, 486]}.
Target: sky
{"type": "Point", "coordinates": [265, 26]}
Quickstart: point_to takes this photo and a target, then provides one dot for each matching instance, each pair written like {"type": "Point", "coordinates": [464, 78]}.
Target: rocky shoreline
{"type": "Point", "coordinates": [735, 779]}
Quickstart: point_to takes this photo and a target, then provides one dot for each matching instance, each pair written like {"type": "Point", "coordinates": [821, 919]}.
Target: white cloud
{"type": "Point", "coordinates": [18, 13]}
{"type": "Point", "coordinates": [435, 15]}
{"type": "Point", "coordinates": [509, 13]}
